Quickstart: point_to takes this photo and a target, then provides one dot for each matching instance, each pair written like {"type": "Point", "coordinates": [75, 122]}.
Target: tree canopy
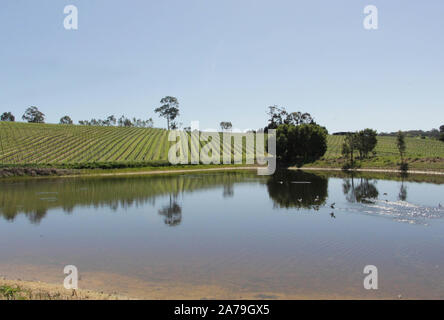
{"type": "Point", "coordinates": [7, 116]}
{"type": "Point", "coordinates": [169, 110]}
{"type": "Point", "coordinates": [226, 125]}
{"type": "Point", "coordinates": [33, 115]}
{"type": "Point", "coordinates": [65, 120]}
{"type": "Point", "coordinates": [300, 144]}
{"type": "Point", "coordinates": [279, 115]}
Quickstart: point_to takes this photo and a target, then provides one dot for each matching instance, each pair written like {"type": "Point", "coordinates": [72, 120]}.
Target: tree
{"type": "Point", "coordinates": [276, 115]}
{"type": "Point", "coordinates": [169, 110]}
{"type": "Point", "coordinates": [300, 144]}
{"type": "Point", "coordinates": [366, 141]}
{"type": "Point", "coordinates": [124, 122]}
{"type": "Point", "coordinates": [400, 144]}
{"type": "Point", "coordinates": [174, 125]}
{"type": "Point", "coordinates": [65, 120]}
{"type": "Point", "coordinates": [33, 115]}
{"type": "Point", "coordinates": [226, 125]}
{"type": "Point", "coordinates": [111, 120]}
{"type": "Point", "coordinates": [298, 118]}
{"type": "Point", "coordinates": [441, 129]}
{"type": "Point", "coordinates": [280, 116]}
{"type": "Point", "coordinates": [349, 147]}
{"type": "Point", "coordinates": [7, 116]}
{"type": "Point", "coordinates": [149, 123]}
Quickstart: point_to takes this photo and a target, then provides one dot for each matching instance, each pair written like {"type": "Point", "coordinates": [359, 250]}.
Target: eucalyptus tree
{"type": "Point", "coordinates": [169, 110]}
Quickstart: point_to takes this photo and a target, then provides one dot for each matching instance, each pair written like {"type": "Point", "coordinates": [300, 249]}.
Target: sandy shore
{"type": "Point", "coordinates": [32, 290]}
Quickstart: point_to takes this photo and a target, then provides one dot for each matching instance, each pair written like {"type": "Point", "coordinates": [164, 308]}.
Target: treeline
{"type": "Point", "coordinates": [34, 115]}
{"type": "Point", "coordinates": [169, 110]}
{"type": "Point", "coordinates": [121, 122]}
{"type": "Point", "coordinates": [434, 133]}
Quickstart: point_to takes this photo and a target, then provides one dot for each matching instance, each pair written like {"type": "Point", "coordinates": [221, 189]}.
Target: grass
{"type": "Point", "coordinates": [130, 149]}
{"type": "Point", "coordinates": [422, 154]}
{"type": "Point", "coordinates": [28, 290]}
{"type": "Point", "coordinates": [12, 293]}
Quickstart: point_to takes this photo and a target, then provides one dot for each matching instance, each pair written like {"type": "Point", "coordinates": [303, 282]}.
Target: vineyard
{"type": "Point", "coordinates": [30, 143]}
{"type": "Point", "coordinates": [53, 144]}
{"type": "Point", "coordinates": [386, 147]}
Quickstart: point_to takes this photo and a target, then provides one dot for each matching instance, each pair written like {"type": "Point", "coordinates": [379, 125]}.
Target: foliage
{"type": "Point", "coordinates": [400, 144]}
{"type": "Point", "coordinates": [363, 142]}
{"type": "Point", "coordinates": [433, 133]}
{"type": "Point", "coordinates": [33, 115]}
{"type": "Point", "coordinates": [7, 116]}
{"type": "Point", "coordinates": [226, 125]}
{"type": "Point", "coordinates": [11, 293]}
{"type": "Point", "coordinates": [122, 122]}
{"type": "Point", "coordinates": [300, 144]}
{"type": "Point", "coordinates": [65, 120]}
{"type": "Point", "coordinates": [366, 142]}
{"type": "Point", "coordinates": [169, 110]}
{"type": "Point", "coordinates": [279, 116]}
{"type": "Point", "coordinates": [348, 148]}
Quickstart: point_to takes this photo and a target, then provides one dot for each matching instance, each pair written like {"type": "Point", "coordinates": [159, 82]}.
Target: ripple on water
{"type": "Point", "coordinates": [401, 211]}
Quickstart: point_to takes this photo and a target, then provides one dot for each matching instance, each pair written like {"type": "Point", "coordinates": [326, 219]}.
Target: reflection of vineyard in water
{"type": "Point", "coordinates": [287, 189]}
{"type": "Point", "coordinates": [35, 197]}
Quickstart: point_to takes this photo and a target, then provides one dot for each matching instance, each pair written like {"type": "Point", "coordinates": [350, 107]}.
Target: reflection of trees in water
{"type": "Point", "coordinates": [30, 197]}
{"type": "Point", "coordinates": [297, 189]}
{"type": "Point", "coordinates": [228, 190]}
{"type": "Point", "coordinates": [362, 190]}
{"type": "Point", "coordinates": [402, 192]}
{"type": "Point", "coordinates": [172, 212]}
{"type": "Point", "coordinates": [403, 189]}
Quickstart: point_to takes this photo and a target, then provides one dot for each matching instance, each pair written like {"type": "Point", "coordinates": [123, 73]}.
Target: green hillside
{"type": "Point", "coordinates": [416, 147]}
{"type": "Point", "coordinates": [30, 143]}
{"type": "Point", "coordinates": [23, 143]}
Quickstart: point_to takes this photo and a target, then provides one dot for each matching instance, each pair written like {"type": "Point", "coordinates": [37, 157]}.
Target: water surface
{"type": "Point", "coordinates": [227, 235]}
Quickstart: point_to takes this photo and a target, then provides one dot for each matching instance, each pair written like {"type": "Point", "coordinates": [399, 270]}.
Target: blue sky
{"type": "Point", "coordinates": [227, 61]}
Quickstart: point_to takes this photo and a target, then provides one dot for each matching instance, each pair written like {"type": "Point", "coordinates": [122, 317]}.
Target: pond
{"type": "Point", "coordinates": [230, 235]}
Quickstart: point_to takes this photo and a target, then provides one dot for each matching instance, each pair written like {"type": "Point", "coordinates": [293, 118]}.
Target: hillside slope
{"type": "Point", "coordinates": [23, 143]}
